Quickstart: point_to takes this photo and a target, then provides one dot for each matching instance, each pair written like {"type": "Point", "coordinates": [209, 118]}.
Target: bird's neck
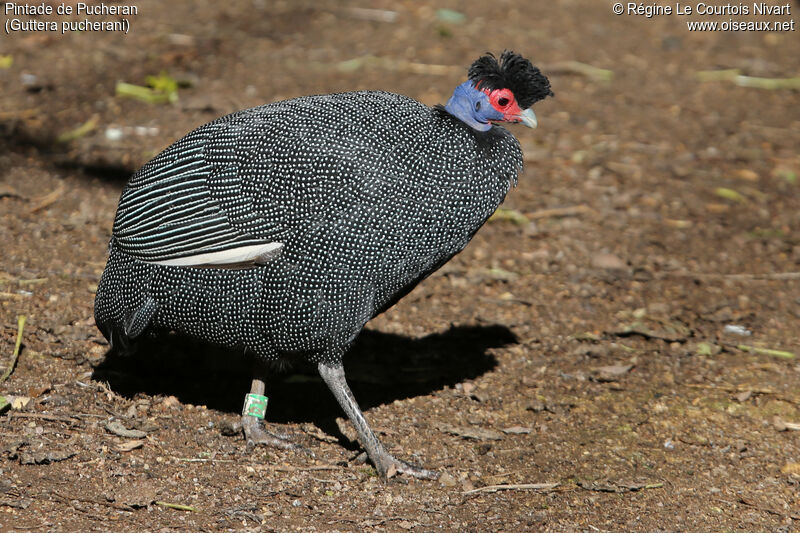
{"type": "Point", "coordinates": [461, 106]}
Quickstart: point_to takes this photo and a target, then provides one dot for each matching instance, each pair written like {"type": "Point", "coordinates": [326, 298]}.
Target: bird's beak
{"type": "Point", "coordinates": [528, 118]}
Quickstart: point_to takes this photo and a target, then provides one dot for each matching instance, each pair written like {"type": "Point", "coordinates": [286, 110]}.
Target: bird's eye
{"type": "Point", "coordinates": [477, 106]}
{"type": "Point", "coordinates": [502, 100]}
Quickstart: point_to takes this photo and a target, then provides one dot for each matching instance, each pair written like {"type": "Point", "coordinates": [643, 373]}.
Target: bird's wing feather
{"type": "Point", "coordinates": [186, 207]}
{"type": "Point", "coordinates": [238, 188]}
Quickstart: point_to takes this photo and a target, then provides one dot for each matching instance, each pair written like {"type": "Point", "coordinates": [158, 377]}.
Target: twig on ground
{"type": "Point", "coordinates": [769, 510]}
{"type": "Point", "coordinates": [395, 65]}
{"type": "Point", "coordinates": [305, 468]}
{"type": "Point", "coordinates": [510, 215]}
{"type": "Point", "coordinates": [7, 191]}
{"type": "Point", "coordinates": [204, 460]}
{"type": "Point", "coordinates": [260, 465]}
{"type": "Point", "coordinates": [178, 506]}
{"type": "Point", "coordinates": [12, 296]}
{"type": "Point", "coordinates": [14, 356]}
{"type": "Point", "coordinates": [19, 114]}
{"type": "Point", "coordinates": [379, 522]}
{"type": "Point", "coordinates": [103, 386]}
{"type": "Point", "coordinates": [81, 131]}
{"type": "Point", "coordinates": [48, 199]}
{"type": "Point", "coordinates": [744, 388]}
{"type": "Point", "coordinates": [618, 488]}
{"type": "Point", "coordinates": [735, 76]}
{"type": "Point", "coordinates": [68, 499]}
{"type": "Point", "coordinates": [567, 211]}
{"type": "Point", "coordinates": [717, 75]}
{"type": "Point", "coordinates": [375, 15]}
{"type": "Point", "coordinates": [776, 276]}
{"type": "Point", "coordinates": [766, 351]}
{"type": "Point", "coordinates": [518, 486]}
{"type": "Point", "coordinates": [50, 418]}
{"type": "Point", "coordinates": [584, 69]}
{"type": "Point", "coordinates": [40, 527]}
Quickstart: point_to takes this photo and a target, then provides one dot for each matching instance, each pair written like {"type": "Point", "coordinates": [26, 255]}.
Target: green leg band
{"type": "Point", "coordinates": [255, 405]}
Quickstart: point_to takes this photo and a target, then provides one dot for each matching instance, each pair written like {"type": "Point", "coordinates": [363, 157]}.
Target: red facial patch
{"type": "Point", "coordinates": [503, 101]}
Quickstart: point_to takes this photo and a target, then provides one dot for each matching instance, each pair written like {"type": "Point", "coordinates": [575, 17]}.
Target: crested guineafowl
{"type": "Point", "coordinates": [281, 230]}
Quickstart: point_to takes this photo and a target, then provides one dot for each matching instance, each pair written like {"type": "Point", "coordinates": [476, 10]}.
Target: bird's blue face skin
{"type": "Point", "coordinates": [472, 107]}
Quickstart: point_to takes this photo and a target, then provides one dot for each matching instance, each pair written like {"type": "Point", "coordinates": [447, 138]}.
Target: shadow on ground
{"type": "Point", "coordinates": [381, 368]}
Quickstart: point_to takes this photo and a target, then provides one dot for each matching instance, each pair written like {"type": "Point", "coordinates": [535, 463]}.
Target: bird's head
{"type": "Point", "coordinates": [499, 91]}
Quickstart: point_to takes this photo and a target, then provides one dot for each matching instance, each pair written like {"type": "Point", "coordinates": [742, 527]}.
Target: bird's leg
{"type": "Point", "coordinates": [383, 461]}
{"type": "Point", "coordinates": [255, 406]}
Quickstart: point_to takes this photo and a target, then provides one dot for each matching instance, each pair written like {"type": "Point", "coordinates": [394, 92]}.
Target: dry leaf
{"type": "Point", "coordinates": [119, 430]}
{"type": "Point", "coordinates": [611, 372]}
{"type": "Point", "coordinates": [129, 445]}
{"type": "Point", "coordinates": [517, 430]}
{"type": "Point", "coordinates": [473, 433]}
{"type": "Point", "coordinates": [791, 468]}
{"type": "Point", "coordinates": [19, 403]}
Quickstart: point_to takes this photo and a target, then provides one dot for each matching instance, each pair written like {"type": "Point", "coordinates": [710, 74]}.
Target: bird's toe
{"type": "Point", "coordinates": [255, 434]}
{"type": "Point", "coordinates": [415, 471]}
{"type": "Point", "coordinates": [390, 467]}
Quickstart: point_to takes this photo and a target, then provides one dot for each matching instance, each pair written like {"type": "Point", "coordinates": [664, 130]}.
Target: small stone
{"type": "Point", "coordinates": [446, 480]}
{"type": "Point", "coordinates": [608, 262]}
{"type": "Point", "coordinates": [611, 372]}
{"type": "Point", "coordinates": [747, 174]}
{"type": "Point", "coordinates": [230, 428]}
{"type": "Point", "coordinates": [735, 329]}
{"type": "Point", "coordinates": [779, 424]}
{"type": "Point", "coordinates": [743, 396]}
{"type": "Point", "coordinates": [114, 134]}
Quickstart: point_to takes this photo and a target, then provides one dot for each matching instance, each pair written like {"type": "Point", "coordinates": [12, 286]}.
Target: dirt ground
{"type": "Point", "coordinates": [620, 351]}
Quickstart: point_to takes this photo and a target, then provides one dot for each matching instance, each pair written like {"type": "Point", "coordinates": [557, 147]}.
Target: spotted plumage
{"type": "Point", "coordinates": [363, 208]}
{"type": "Point", "coordinates": [283, 229]}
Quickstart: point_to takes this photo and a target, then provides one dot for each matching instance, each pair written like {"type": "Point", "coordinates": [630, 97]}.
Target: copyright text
{"type": "Point", "coordinates": [773, 17]}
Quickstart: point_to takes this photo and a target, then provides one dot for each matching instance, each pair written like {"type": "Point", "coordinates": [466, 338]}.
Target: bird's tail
{"type": "Point", "coordinates": [123, 309]}
{"type": "Point", "coordinates": [222, 306]}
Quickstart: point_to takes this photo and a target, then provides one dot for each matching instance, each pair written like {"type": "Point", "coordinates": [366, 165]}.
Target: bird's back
{"type": "Point", "coordinates": [367, 193]}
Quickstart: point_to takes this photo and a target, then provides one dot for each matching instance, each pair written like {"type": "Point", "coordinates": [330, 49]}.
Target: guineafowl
{"type": "Point", "coordinates": [283, 229]}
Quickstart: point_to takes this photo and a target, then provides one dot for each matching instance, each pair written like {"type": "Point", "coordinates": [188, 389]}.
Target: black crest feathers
{"type": "Point", "coordinates": [513, 72]}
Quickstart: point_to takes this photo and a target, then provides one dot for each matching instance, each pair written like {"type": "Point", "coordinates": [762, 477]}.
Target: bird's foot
{"type": "Point", "coordinates": [387, 467]}
{"type": "Point", "coordinates": [255, 433]}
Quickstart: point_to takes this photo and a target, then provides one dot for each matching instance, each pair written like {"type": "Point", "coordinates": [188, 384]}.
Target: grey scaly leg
{"type": "Point", "coordinates": [254, 430]}
{"type": "Point", "coordinates": [383, 461]}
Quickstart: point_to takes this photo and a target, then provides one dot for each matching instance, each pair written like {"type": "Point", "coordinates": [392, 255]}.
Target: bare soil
{"type": "Point", "coordinates": [596, 366]}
